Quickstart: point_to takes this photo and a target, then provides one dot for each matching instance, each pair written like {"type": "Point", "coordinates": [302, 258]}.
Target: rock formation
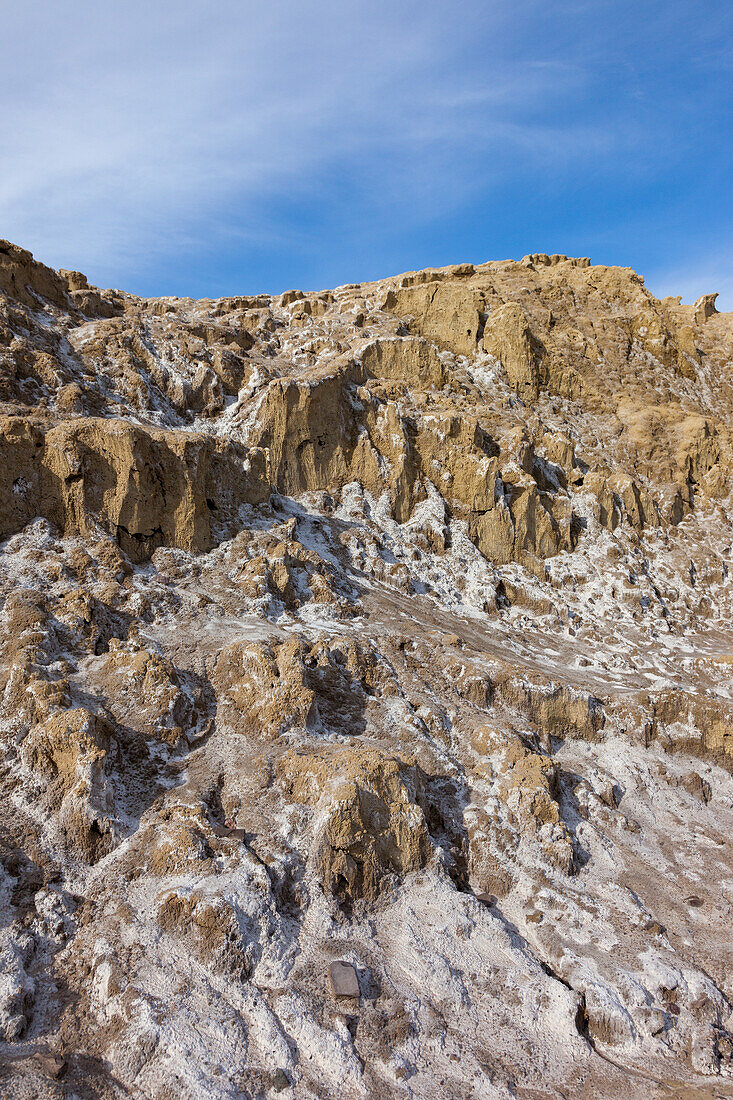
{"type": "Point", "coordinates": [365, 724]}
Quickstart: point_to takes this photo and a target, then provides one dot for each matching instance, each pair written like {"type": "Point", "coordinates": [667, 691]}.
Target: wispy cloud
{"type": "Point", "coordinates": [123, 130]}
{"type": "Point", "coordinates": [133, 133]}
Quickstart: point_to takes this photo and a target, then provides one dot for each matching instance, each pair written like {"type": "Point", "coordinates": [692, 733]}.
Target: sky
{"type": "Point", "coordinates": [232, 147]}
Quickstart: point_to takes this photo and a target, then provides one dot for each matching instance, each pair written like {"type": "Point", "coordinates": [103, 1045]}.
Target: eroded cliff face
{"type": "Point", "coordinates": [387, 626]}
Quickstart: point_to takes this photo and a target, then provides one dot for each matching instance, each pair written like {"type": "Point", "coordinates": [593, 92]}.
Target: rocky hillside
{"type": "Point", "coordinates": [366, 708]}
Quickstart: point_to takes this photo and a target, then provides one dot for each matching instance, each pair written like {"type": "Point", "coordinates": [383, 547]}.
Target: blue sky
{"type": "Point", "coordinates": [231, 147]}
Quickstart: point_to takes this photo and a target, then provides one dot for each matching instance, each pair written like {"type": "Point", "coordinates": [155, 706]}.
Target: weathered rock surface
{"type": "Point", "coordinates": [146, 487]}
{"type": "Point", "coordinates": [365, 702]}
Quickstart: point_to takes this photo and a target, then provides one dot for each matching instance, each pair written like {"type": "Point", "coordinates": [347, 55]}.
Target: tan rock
{"type": "Point", "coordinates": [146, 488]}
{"type": "Point", "coordinates": [147, 694]}
{"type": "Point", "coordinates": [210, 927]}
{"type": "Point", "coordinates": [404, 359]}
{"type": "Point", "coordinates": [68, 754]}
{"type": "Point", "coordinates": [27, 281]}
{"type": "Point", "coordinates": [557, 710]}
{"type": "Point", "coordinates": [447, 313]}
{"type": "Point", "coordinates": [375, 825]}
{"type": "Point", "coordinates": [508, 337]}
{"type": "Point", "coordinates": [704, 308]}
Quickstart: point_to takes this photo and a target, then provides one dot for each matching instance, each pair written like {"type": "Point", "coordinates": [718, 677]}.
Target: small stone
{"type": "Point", "coordinates": [696, 785]}
{"type": "Point", "coordinates": [280, 1080]}
{"type": "Point", "coordinates": [52, 1064]}
{"type": "Point", "coordinates": [486, 899]}
{"type": "Point", "coordinates": [694, 901]}
{"type": "Point", "coordinates": [229, 832]}
{"type": "Point", "coordinates": [344, 981]}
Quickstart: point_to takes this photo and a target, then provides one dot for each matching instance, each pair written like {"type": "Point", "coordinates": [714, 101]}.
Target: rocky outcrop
{"type": "Point", "coordinates": [704, 308]}
{"type": "Point", "coordinates": [68, 754]}
{"type": "Point", "coordinates": [375, 827]}
{"type": "Point", "coordinates": [28, 282]}
{"type": "Point", "coordinates": [404, 359]}
{"type": "Point", "coordinates": [266, 686]}
{"type": "Point", "coordinates": [379, 632]}
{"type": "Point", "coordinates": [508, 337]}
{"type": "Point", "coordinates": [448, 313]}
{"type": "Point", "coordinates": [148, 488]}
